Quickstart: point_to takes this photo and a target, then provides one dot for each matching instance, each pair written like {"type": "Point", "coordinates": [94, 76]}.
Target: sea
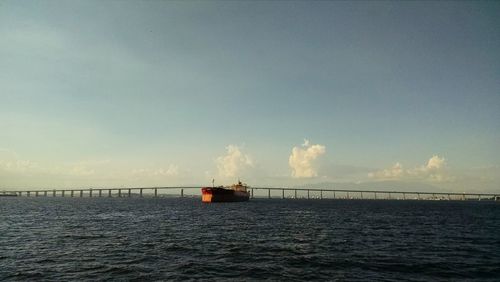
{"type": "Point", "coordinates": [182, 239]}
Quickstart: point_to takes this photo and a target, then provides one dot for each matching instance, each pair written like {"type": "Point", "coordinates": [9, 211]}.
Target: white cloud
{"type": "Point", "coordinates": [234, 162]}
{"type": "Point", "coordinates": [396, 171]}
{"type": "Point", "coordinates": [21, 173]}
{"type": "Point", "coordinates": [7, 154]}
{"type": "Point", "coordinates": [28, 167]}
{"type": "Point", "coordinates": [434, 170]}
{"type": "Point", "coordinates": [172, 170]}
{"type": "Point", "coordinates": [306, 143]}
{"type": "Point", "coordinates": [302, 159]}
{"type": "Point", "coordinates": [18, 165]}
{"type": "Point", "coordinates": [81, 170]}
{"type": "Point", "coordinates": [435, 163]}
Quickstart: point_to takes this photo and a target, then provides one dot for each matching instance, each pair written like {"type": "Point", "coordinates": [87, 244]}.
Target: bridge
{"type": "Point", "coordinates": [255, 192]}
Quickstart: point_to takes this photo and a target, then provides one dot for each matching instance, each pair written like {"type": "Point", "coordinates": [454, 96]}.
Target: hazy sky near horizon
{"type": "Point", "coordinates": [166, 92]}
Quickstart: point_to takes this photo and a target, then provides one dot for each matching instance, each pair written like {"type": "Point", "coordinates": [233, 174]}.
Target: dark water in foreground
{"type": "Point", "coordinates": [181, 239]}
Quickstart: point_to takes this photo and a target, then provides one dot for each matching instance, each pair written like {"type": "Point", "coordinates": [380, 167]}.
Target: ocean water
{"type": "Point", "coordinates": [61, 239]}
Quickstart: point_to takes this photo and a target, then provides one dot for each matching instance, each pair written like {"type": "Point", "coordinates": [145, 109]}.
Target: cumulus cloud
{"type": "Point", "coordinates": [435, 163]}
{"type": "Point", "coordinates": [435, 170]}
{"type": "Point", "coordinates": [302, 159]}
{"type": "Point", "coordinates": [234, 162]}
{"type": "Point", "coordinates": [396, 171]}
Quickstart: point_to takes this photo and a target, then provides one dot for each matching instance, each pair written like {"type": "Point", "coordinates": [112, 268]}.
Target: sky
{"type": "Point", "coordinates": [284, 93]}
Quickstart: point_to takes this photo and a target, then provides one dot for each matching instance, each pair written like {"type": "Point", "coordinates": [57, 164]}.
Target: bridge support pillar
{"type": "Point", "coordinates": [182, 193]}
{"type": "Point", "coordinates": [109, 193]}
{"type": "Point", "coordinates": [361, 195]}
{"type": "Point", "coordinates": [140, 192]}
{"type": "Point", "coordinates": [62, 193]}
{"type": "Point", "coordinates": [348, 196]}
{"type": "Point", "coordinates": [90, 193]}
{"type": "Point", "coordinates": [449, 197]}
{"type": "Point", "coordinates": [308, 194]}
{"type": "Point", "coordinates": [45, 193]}
{"type": "Point", "coordinates": [156, 192]}
{"type": "Point", "coordinates": [119, 192]}
{"type": "Point", "coordinates": [295, 193]}
{"type": "Point", "coordinates": [129, 192]}
{"type": "Point", "coordinates": [36, 194]}
{"type": "Point", "coordinates": [404, 196]}
{"type": "Point", "coordinates": [100, 193]}
{"type": "Point", "coordinates": [269, 193]}
{"type": "Point", "coordinates": [72, 193]}
{"type": "Point", "coordinates": [81, 193]}
{"type": "Point", "coordinates": [282, 193]}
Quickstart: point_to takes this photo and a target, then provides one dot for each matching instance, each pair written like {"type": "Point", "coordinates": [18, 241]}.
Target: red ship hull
{"type": "Point", "coordinates": [219, 194]}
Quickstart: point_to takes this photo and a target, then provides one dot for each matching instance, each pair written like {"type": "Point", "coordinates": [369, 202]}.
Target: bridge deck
{"type": "Point", "coordinates": [265, 192]}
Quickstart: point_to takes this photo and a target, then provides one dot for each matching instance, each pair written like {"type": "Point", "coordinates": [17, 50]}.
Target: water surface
{"type": "Point", "coordinates": [61, 239]}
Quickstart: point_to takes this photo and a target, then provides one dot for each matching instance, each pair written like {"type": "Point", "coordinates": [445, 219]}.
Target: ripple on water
{"type": "Point", "coordinates": [62, 239]}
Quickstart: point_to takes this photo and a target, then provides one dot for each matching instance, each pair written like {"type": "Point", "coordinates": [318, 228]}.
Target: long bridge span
{"type": "Point", "coordinates": [255, 192]}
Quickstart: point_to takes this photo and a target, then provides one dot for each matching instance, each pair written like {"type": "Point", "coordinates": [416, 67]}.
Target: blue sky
{"type": "Point", "coordinates": [167, 93]}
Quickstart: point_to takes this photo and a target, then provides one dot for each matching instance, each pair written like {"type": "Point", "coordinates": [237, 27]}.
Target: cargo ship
{"type": "Point", "coordinates": [234, 193]}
